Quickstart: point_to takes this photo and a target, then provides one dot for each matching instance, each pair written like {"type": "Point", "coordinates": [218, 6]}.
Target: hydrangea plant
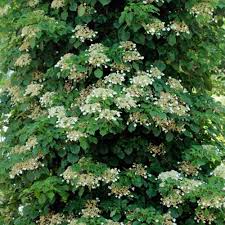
{"type": "Point", "coordinates": [108, 112]}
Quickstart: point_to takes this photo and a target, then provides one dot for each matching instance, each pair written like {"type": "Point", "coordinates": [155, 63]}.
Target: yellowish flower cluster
{"type": "Point", "coordinates": [15, 93]}
{"type": "Point", "coordinates": [23, 60]}
{"type": "Point", "coordinates": [30, 164]}
{"type": "Point", "coordinates": [46, 99]}
{"type": "Point", "coordinates": [168, 219]}
{"type": "Point", "coordinates": [33, 89]}
{"type": "Point", "coordinates": [211, 201]}
{"type": "Point", "coordinates": [156, 73]}
{"type": "Point", "coordinates": [120, 191]}
{"type": "Point", "coordinates": [168, 125]}
{"type": "Point", "coordinates": [175, 84]}
{"type": "Point", "coordinates": [179, 27]}
{"type": "Point", "coordinates": [130, 51]}
{"type": "Point", "coordinates": [84, 33]}
{"type": "Point", "coordinates": [51, 219]}
{"type": "Point", "coordinates": [202, 9]}
{"type": "Point", "coordinates": [30, 144]}
{"type": "Point", "coordinates": [36, 111]}
{"type": "Point", "coordinates": [205, 218]}
{"type": "Point", "coordinates": [156, 150]}
{"type": "Point", "coordinates": [120, 67]}
{"type": "Point", "coordinates": [114, 78]}
{"type": "Point", "coordinates": [188, 169]}
{"type": "Point", "coordinates": [96, 55]}
{"type": "Point", "coordinates": [91, 209]}
{"type": "Point", "coordinates": [56, 4]}
{"type": "Point", "coordinates": [28, 32]}
{"type": "Point", "coordinates": [173, 200]}
{"type": "Point", "coordinates": [138, 118]}
{"type": "Point", "coordinates": [171, 104]}
{"type": "Point", "coordinates": [140, 170]}
{"type": "Point", "coordinates": [33, 3]}
{"type": "Point", "coordinates": [77, 75]}
{"type": "Point", "coordinates": [37, 76]}
{"type": "Point", "coordinates": [156, 27]}
{"type": "Point", "coordinates": [81, 179]}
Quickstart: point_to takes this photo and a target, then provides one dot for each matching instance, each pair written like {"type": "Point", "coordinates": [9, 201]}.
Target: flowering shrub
{"type": "Point", "coordinates": [108, 113]}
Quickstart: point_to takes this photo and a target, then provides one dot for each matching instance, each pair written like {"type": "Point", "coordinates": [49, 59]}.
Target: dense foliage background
{"type": "Point", "coordinates": [109, 113]}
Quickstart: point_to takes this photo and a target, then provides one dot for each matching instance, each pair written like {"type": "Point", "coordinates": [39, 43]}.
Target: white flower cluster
{"type": "Point", "coordinates": [110, 175]}
{"type": "Point", "coordinates": [56, 4]}
{"type": "Point", "coordinates": [84, 33]}
{"type": "Point", "coordinates": [114, 78]}
{"type": "Point", "coordinates": [156, 73]}
{"type": "Point", "coordinates": [130, 51]}
{"type": "Point", "coordinates": [97, 56]}
{"type": "Point", "coordinates": [202, 9]}
{"type": "Point", "coordinates": [109, 115]}
{"type": "Point", "coordinates": [30, 144]}
{"type": "Point", "coordinates": [205, 217]}
{"type": "Point", "coordinates": [62, 120]}
{"type": "Point", "coordinates": [189, 185]}
{"type": "Point", "coordinates": [19, 168]}
{"type": "Point", "coordinates": [4, 10]}
{"type": "Point", "coordinates": [179, 27]}
{"type": "Point", "coordinates": [63, 63]}
{"type": "Point", "coordinates": [126, 102]}
{"type": "Point", "coordinates": [142, 79]}
{"type": "Point", "coordinates": [46, 99]}
{"type": "Point", "coordinates": [103, 93]}
{"type": "Point", "coordinates": [156, 27]}
{"type": "Point", "coordinates": [66, 122]}
{"type": "Point", "coordinates": [23, 60]}
{"type": "Point", "coordinates": [58, 111]}
{"type": "Point", "coordinates": [219, 171]}
{"type": "Point", "coordinates": [33, 89]}
{"type": "Point", "coordinates": [90, 108]}
{"type": "Point", "coordinates": [74, 135]}
{"type": "Point", "coordinates": [172, 174]}
{"type": "Point", "coordinates": [171, 104]}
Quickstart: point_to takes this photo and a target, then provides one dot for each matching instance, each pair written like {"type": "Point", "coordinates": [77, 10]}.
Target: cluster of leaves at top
{"type": "Point", "coordinates": [108, 115]}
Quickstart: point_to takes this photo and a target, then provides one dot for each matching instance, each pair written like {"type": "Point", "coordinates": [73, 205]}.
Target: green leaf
{"type": "Point", "coordinates": [169, 137]}
{"type": "Point", "coordinates": [105, 2]}
{"type": "Point", "coordinates": [172, 39]}
{"type": "Point", "coordinates": [98, 73]}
